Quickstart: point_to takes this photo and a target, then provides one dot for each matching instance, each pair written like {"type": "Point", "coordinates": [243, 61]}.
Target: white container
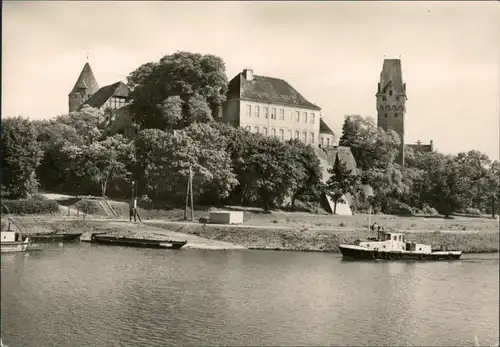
{"type": "Point", "coordinates": [226, 217]}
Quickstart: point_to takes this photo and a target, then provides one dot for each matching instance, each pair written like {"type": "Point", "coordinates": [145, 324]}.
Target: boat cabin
{"type": "Point", "coordinates": [386, 242]}
{"type": "Point", "coordinates": [11, 236]}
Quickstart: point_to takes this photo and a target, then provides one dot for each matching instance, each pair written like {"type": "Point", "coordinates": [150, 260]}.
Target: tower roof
{"type": "Point", "coordinates": [391, 72]}
{"type": "Point", "coordinates": [86, 80]}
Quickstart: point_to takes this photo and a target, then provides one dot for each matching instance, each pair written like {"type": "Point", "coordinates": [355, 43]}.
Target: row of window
{"type": "Point", "coordinates": [306, 117]}
{"type": "Point", "coordinates": [389, 107]}
{"type": "Point", "coordinates": [395, 115]}
{"type": "Point", "coordinates": [281, 134]}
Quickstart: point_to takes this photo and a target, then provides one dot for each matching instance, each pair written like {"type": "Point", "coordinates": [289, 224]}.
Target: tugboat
{"type": "Point", "coordinates": [394, 246]}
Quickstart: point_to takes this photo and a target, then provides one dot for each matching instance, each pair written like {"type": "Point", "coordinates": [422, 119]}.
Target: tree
{"type": "Point", "coordinates": [101, 163]}
{"type": "Point", "coordinates": [61, 139]}
{"type": "Point", "coordinates": [164, 158]}
{"type": "Point", "coordinates": [341, 182]}
{"type": "Point", "coordinates": [444, 186]}
{"type": "Point", "coordinates": [371, 147]}
{"type": "Point", "coordinates": [198, 80]}
{"type": "Point", "coordinates": [21, 155]}
{"type": "Point", "coordinates": [311, 185]}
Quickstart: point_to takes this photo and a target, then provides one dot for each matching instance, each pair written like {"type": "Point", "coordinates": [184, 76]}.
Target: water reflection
{"type": "Point", "coordinates": [90, 295]}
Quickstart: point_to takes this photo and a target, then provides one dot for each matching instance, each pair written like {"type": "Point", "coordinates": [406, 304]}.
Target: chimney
{"type": "Point", "coordinates": [248, 73]}
{"type": "Point", "coordinates": [432, 145]}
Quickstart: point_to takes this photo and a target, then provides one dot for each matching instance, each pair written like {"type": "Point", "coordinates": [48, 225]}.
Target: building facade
{"type": "Point", "coordinates": [112, 99]}
{"type": "Point", "coordinates": [272, 107]}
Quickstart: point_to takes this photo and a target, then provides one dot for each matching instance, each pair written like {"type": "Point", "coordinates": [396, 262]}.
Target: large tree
{"type": "Point", "coordinates": [199, 80]}
{"type": "Point", "coordinates": [341, 182]}
{"type": "Point", "coordinates": [21, 154]}
{"type": "Point", "coordinates": [372, 147]}
{"type": "Point", "coordinates": [164, 159]}
{"type": "Point", "coordinates": [310, 187]}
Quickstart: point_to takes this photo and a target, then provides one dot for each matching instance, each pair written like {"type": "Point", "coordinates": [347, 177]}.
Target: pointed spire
{"type": "Point", "coordinates": [86, 80]}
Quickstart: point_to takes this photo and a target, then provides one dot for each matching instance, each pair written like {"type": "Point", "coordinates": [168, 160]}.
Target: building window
{"type": "Point", "coordinates": [297, 134]}
{"type": "Point", "coordinates": [305, 137]}
{"type": "Point", "coordinates": [385, 115]}
{"type": "Point", "coordinates": [290, 116]}
{"type": "Point", "coordinates": [395, 115]}
{"type": "Point", "coordinates": [257, 111]}
{"type": "Point", "coordinates": [384, 98]}
{"type": "Point", "coordinates": [273, 113]}
{"type": "Point", "coordinates": [390, 92]}
{"type": "Point", "coordinates": [312, 138]}
{"type": "Point", "coordinates": [282, 114]}
{"type": "Point", "coordinates": [219, 111]}
{"type": "Point", "coordinates": [327, 142]}
{"type": "Point", "coordinates": [248, 110]}
{"type": "Point", "coordinates": [297, 116]}
{"type": "Point", "coordinates": [248, 128]}
{"type": "Point", "coordinates": [312, 118]}
{"type": "Point", "coordinates": [397, 98]}
{"type": "Point", "coordinates": [290, 134]}
{"type": "Point", "coordinates": [273, 133]}
{"type": "Point", "coordinates": [264, 130]}
{"type": "Point", "coordinates": [266, 112]}
{"type": "Point", "coordinates": [322, 141]}
{"type": "Point", "coordinates": [305, 117]}
{"type": "Point", "coordinates": [282, 134]}
{"type": "Point", "coordinates": [256, 128]}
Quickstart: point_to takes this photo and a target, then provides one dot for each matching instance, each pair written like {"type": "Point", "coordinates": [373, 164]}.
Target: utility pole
{"type": "Point", "coordinates": [191, 189]}
{"type": "Point", "coordinates": [187, 196]}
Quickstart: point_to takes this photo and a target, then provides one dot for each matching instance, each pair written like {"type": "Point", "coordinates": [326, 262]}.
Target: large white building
{"type": "Point", "coordinates": [272, 107]}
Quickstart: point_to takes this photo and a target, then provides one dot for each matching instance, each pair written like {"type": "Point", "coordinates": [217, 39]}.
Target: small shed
{"type": "Point", "coordinates": [226, 217]}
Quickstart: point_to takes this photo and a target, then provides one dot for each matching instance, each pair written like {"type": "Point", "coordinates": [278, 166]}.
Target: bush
{"type": "Point", "coordinates": [30, 206]}
{"type": "Point", "coordinates": [428, 210]}
{"type": "Point", "coordinates": [39, 197]}
{"type": "Point", "coordinates": [473, 211]}
{"type": "Point", "coordinates": [399, 209]}
{"type": "Point", "coordinates": [89, 206]}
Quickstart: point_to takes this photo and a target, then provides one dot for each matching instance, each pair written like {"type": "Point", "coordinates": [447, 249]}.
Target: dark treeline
{"type": "Point", "coordinates": [172, 102]}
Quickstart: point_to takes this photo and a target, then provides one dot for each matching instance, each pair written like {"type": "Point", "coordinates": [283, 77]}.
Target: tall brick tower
{"type": "Point", "coordinates": [391, 100]}
{"type": "Point", "coordinates": [85, 86]}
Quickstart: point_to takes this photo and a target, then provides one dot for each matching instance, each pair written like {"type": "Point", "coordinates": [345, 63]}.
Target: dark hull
{"type": "Point", "coordinates": [54, 237]}
{"type": "Point", "coordinates": [357, 254]}
{"type": "Point", "coordinates": [131, 242]}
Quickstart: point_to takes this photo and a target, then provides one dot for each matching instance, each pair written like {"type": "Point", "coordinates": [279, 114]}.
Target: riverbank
{"type": "Point", "coordinates": [118, 228]}
{"type": "Point", "coordinates": [265, 237]}
{"type": "Point", "coordinates": [327, 240]}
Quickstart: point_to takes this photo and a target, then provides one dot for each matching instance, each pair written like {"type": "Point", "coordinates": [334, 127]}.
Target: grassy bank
{"type": "Point", "coordinates": [296, 239]}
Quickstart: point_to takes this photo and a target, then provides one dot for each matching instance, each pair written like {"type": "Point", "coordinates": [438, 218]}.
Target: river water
{"type": "Point", "coordinates": [81, 295]}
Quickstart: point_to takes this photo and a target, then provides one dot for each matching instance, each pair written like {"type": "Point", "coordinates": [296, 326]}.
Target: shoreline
{"type": "Point", "coordinates": [256, 237]}
{"type": "Point", "coordinates": [323, 240]}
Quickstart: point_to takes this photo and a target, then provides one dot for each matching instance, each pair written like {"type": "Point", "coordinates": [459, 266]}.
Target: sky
{"type": "Point", "coordinates": [331, 52]}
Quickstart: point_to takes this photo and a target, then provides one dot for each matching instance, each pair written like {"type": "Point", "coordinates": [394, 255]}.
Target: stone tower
{"type": "Point", "coordinates": [391, 100]}
{"type": "Point", "coordinates": [85, 86]}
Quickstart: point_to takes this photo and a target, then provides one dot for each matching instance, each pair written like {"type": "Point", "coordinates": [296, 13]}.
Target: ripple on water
{"type": "Point", "coordinates": [104, 296]}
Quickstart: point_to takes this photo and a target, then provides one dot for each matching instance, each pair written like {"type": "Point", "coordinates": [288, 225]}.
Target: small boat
{"type": "Point", "coordinates": [39, 238]}
{"type": "Point", "coordinates": [394, 246]}
{"type": "Point", "coordinates": [134, 242]}
{"type": "Point", "coordinates": [13, 241]}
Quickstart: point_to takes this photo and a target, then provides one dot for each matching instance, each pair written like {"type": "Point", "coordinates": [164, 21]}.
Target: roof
{"type": "Point", "coordinates": [267, 89]}
{"type": "Point", "coordinates": [324, 128]}
{"type": "Point", "coordinates": [391, 72]}
{"type": "Point", "coordinates": [86, 80]}
{"type": "Point", "coordinates": [345, 155]}
{"type": "Point", "coordinates": [420, 148]}
{"type": "Point", "coordinates": [103, 94]}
